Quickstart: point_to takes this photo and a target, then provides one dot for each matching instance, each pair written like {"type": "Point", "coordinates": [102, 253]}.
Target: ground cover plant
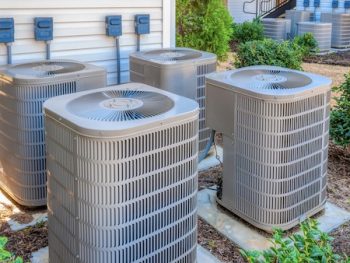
{"type": "Point", "coordinates": [311, 245]}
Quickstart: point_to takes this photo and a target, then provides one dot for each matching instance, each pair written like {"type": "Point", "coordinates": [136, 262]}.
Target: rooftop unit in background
{"type": "Point", "coordinates": [340, 28]}
{"type": "Point", "coordinates": [296, 16]}
{"type": "Point", "coordinates": [181, 71]}
{"type": "Point", "coordinates": [142, 206]}
{"type": "Point", "coordinates": [322, 33]}
{"type": "Point", "coordinates": [23, 90]}
{"type": "Point", "coordinates": [277, 28]}
{"type": "Point", "coordinates": [275, 124]}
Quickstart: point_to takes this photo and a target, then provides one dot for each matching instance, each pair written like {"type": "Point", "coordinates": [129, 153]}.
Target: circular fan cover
{"type": "Point", "coordinates": [120, 105]}
{"type": "Point", "coordinates": [46, 69]}
{"type": "Point", "coordinates": [171, 55]}
{"type": "Point", "coordinates": [270, 79]}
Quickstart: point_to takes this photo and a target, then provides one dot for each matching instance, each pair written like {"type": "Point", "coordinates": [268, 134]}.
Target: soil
{"type": "Point", "coordinates": [341, 58]}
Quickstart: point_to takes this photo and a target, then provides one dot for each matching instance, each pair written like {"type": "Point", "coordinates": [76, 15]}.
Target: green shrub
{"type": "Point", "coordinates": [340, 115]}
{"type": "Point", "coordinates": [311, 246]}
{"type": "Point", "coordinates": [248, 31]}
{"type": "Point", "coordinates": [6, 256]}
{"type": "Point", "coordinates": [307, 43]}
{"type": "Point", "coordinates": [204, 25]}
{"type": "Point", "coordinates": [269, 52]}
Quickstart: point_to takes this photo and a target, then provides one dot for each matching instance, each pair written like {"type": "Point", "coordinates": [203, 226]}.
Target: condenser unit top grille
{"type": "Point", "coordinates": [47, 71]}
{"type": "Point", "coordinates": [121, 105]}
{"type": "Point", "coordinates": [175, 56]}
{"type": "Point", "coordinates": [267, 81]}
{"type": "Point", "coordinates": [117, 110]}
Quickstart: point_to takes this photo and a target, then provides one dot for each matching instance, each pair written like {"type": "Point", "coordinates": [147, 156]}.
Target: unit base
{"type": "Point", "coordinates": [270, 228]}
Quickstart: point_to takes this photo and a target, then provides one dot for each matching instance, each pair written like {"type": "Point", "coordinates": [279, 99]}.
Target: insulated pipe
{"type": "Point", "coordinates": [48, 50]}
{"type": "Point", "coordinates": [9, 53]}
{"type": "Point", "coordinates": [118, 61]}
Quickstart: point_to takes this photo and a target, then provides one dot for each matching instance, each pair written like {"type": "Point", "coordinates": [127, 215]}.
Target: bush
{"type": "Point", "coordinates": [6, 256]}
{"type": "Point", "coordinates": [269, 52]}
{"type": "Point", "coordinates": [312, 245]}
{"type": "Point", "coordinates": [340, 115]}
{"type": "Point", "coordinates": [248, 31]}
{"type": "Point", "coordinates": [204, 25]}
{"type": "Point", "coordinates": [307, 43]}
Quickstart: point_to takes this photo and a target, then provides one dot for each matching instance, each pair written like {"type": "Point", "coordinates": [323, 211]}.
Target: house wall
{"type": "Point", "coordinates": [236, 10]}
{"type": "Point", "coordinates": [79, 30]}
{"type": "Point", "coordinates": [325, 7]}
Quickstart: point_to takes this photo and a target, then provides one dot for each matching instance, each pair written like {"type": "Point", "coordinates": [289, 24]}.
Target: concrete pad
{"type": "Point", "coordinates": [40, 256]}
{"type": "Point", "coordinates": [211, 160]}
{"type": "Point", "coordinates": [241, 234]}
{"type": "Point", "coordinates": [204, 256]}
{"type": "Point", "coordinates": [248, 237]}
{"type": "Point", "coordinates": [39, 217]}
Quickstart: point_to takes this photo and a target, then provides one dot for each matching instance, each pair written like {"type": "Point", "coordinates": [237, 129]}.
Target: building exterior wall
{"type": "Point", "coordinates": [236, 10]}
{"type": "Point", "coordinates": [325, 7]}
{"type": "Point", "coordinates": [79, 30]}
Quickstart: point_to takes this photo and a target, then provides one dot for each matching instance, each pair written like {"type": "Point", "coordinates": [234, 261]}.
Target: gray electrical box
{"type": "Point", "coordinates": [7, 30]}
{"type": "Point", "coordinates": [114, 26]}
{"type": "Point", "coordinates": [142, 24]}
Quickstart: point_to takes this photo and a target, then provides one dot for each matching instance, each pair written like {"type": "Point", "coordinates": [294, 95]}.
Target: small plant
{"type": "Point", "coordinates": [269, 52]}
{"type": "Point", "coordinates": [312, 245]}
{"type": "Point", "coordinates": [205, 25]}
{"type": "Point", "coordinates": [307, 43]}
{"type": "Point", "coordinates": [248, 31]}
{"type": "Point", "coordinates": [340, 115]}
{"type": "Point", "coordinates": [6, 256]}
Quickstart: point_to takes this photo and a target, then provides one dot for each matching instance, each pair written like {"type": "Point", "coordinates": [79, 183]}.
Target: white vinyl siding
{"type": "Point", "coordinates": [79, 30]}
{"type": "Point", "coordinates": [325, 7]}
{"type": "Point", "coordinates": [236, 10]}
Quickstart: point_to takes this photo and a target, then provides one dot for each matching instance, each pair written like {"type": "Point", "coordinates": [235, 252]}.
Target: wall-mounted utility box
{"type": "Point", "coordinates": [347, 4]}
{"type": "Point", "coordinates": [142, 24]}
{"type": "Point", "coordinates": [7, 30]}
{"type": "Point", "coordinates": [114, 26]}
{"type": "Point", "coordinates": [306, 3]}
{"type": "Point", "coordinates": [43, 28]}
{"type": "Point", "coordinates": [317, 3]}
{"type": "Point", "coordinates": [335, 4]}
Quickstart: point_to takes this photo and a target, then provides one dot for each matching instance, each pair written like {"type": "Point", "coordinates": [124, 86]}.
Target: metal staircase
{"type": "Point", "coordinates": [268, 8]}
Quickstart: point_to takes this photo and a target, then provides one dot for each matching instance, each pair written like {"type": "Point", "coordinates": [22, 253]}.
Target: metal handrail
{"type": "Point", "coordinates": [260, 6]}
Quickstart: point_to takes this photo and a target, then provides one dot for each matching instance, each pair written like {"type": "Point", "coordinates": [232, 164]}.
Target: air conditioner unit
{"type": "Point", "coordinates": [322, 33]}
{"type": "Point", "coordinates": [296, 16]}
{"type": "Point", "coordinates": [275, 123]}
{"type": "Point", "coordinates": [122, 180]}
{"type": "Point", "coordinates": [23, 89]}
{"type": "Point", "coordinates": [276, 28]}
{"type": "Point", "coordinates": [181, 71]}
{"type": "Point", "coordinates": [340, 28]}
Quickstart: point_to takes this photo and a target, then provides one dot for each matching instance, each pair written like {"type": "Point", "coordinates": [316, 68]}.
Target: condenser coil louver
{"type": "Point", "coordinates": [340, 28]}
{"type": "Point", "coordinates": [122, 180]}
{"type": "Point", "coordinates": [322, 33]}
{"type": "Point", "coordinates": [296, 16]}
{"type": "Point", "coordinates": [275, 124]}
{"type": "Point", "coordinates": [23, 89]}
{"type": "Point", "coordinates": [276, 28]}
{"type": "Point", "coordinates": [181, 71]}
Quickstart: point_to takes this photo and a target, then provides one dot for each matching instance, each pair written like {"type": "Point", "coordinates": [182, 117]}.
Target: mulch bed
{"type": "Point", "coordinates": [341, 58]}
{"type": "Point", "coordinates": [23, 243]}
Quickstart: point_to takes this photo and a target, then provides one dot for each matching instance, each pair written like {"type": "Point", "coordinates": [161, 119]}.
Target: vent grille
{"type": "Point", "coordinates": [171, 55]}
{"type": "Point", "coordinates": [144, 196]}
{"type": "Point", "coordinates": [270, 79]}
{"type": "Point", "coordinates": [121, 105]}
{"type": "Point", "coordinates": [46, 69]}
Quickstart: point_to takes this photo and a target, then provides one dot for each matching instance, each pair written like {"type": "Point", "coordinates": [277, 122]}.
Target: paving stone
{"type": "Point", "coordinates": [204, 256]}
{"type": "Point", "coordinates": [211, 160]}
{"type": "Point", "coordinates": [39, 217]}
{"type": "Point", "coordinates": [40, 256]}
{"type": "Point", "coordinates": [248, 237]}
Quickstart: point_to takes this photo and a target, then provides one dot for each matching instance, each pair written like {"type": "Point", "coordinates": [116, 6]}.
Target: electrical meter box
{"type": "Point", "coordinates": [7, 30]}
{"type": "Point", "coordinates": [142, 24]}
{"type": "Point", "coordinates": [43, 28]}
{"type": "Point", "coordinates": [114, 26]}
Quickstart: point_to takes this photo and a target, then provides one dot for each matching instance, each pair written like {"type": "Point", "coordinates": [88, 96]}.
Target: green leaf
{"type": "Point", "coordinates": [3, 241]}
